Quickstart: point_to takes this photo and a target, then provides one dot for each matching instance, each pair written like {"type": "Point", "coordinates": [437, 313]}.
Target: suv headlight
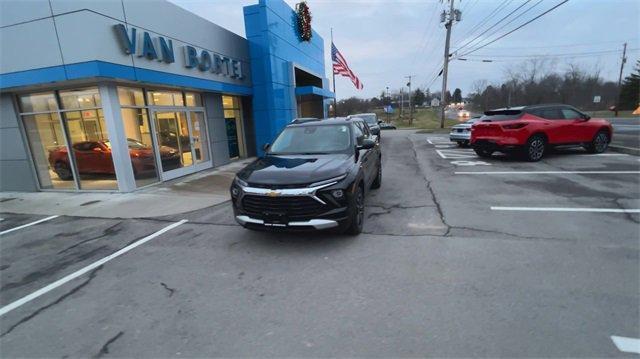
{"type": "Point", "coordinates": [327, 181]}
{"type": "Point", "coordinates": [240, 182]}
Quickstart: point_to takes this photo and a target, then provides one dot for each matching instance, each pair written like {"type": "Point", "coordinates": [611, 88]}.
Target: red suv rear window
{"type": "Point", "coordinates": [501, 115]}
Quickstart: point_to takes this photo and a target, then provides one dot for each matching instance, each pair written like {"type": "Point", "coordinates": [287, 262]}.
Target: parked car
{"type": "Point", "coordinates": [386, 125]}
{"type": "Point", "coordinates": [315, 175]}
{"type": "Point", "coordinates": [462, 133]}
{"type": "Point", "coordinates": [531, 130]}
{"type": "Point", "coordinates": [372, 120]}
{"type": "Point", "coordinates": [95, 157]}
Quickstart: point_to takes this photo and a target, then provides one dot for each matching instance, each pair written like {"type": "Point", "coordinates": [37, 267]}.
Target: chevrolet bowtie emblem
{"type": "Point", "coordinates": [273, 194]}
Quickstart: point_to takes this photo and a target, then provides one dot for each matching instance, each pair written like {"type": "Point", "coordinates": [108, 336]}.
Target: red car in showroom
{"type": "Point", "coordinates": [532, 130]}
{"type": "Point", "coordinates": [94, 157]}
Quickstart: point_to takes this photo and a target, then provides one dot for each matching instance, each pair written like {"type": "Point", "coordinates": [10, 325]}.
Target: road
{"type": "Point", "coordinates": [437, 272]}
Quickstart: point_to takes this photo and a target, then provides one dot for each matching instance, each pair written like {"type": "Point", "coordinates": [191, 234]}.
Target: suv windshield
{"type": "Point", "coordinates": [312, 140]}
{"type": "Point", "coordinates": [369, 119]}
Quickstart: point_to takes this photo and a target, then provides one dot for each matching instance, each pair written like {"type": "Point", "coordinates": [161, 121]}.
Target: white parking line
{"type": "Point", "coordinates": [28, 224]}
{"type": "Point", "coordinates": [4, 310]}
{"type": "Point", "coordinates": [566, 209]}
{"type": "Point", "coordinates": [545, 172]}
{"type": "Point", "coordinates": [608, 154]}
{"type": "Point", "coordinates": [628, 345]}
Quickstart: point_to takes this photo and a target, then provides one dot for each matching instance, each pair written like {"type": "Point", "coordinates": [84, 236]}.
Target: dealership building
{"type": "Point", "coordinates": [116, 95]}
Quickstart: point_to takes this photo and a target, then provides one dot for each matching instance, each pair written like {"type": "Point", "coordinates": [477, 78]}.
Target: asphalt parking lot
{"type": "Point", "coordinates": [460, 256]}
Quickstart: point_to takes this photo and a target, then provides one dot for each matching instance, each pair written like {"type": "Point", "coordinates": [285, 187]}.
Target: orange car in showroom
{"type": "Point", "coordinates": [94, 157]}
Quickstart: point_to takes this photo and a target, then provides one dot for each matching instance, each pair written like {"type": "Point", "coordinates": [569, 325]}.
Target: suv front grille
{"type": "Point", "coordinates": [292, 206]}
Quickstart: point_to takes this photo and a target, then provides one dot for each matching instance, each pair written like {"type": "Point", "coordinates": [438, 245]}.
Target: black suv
{"type": "Point", "coordinates": [314, 176]}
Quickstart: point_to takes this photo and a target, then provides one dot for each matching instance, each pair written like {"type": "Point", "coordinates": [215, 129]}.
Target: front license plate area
{"type": "Point", "coordinates": [275, 219]}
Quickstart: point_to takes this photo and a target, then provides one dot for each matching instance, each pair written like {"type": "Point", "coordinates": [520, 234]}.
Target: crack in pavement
{"type": "Point", "coordinates": [628, 215]}
{"type": "Point", "coordinates": [105, 348]}
{"type": "Point", "coordinates": [512, 234]}
{"type": "Point", "coordinates": [92, 275]}
{"type": "Point", "coordinates": [171, 290]}
{"type": "Point", "coordinates": [106, 232]}
{"type": "Point", "coordinates": [396, 206]}
{"type": "Point", "coordinates": [430, 189]}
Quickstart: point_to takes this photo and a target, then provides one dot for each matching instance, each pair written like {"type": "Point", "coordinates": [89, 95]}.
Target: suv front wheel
{"type": "Point", "coordinates": [356, 213]}
{"type": "Point", "coordinates": [599, 143]}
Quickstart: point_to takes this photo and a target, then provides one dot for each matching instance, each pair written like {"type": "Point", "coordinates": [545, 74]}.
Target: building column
{"type": "Point", "coordinates": [117, 137]}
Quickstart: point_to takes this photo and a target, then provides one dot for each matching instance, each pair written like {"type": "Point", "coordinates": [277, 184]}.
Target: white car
{"type": "Point", "coordinates": [462, 133]}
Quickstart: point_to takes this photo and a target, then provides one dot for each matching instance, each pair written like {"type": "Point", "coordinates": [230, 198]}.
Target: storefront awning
{"type": "Point", "coordinates": [312, 90]}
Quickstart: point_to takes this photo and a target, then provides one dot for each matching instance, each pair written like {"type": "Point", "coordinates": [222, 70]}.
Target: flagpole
{"type": "Point", "coordinates": [335, 102]}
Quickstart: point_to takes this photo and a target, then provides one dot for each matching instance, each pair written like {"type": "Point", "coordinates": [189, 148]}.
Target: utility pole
{"type": "Point", "coordinates": [402, 102]}
{"type": "Point", "coordinates": [388, 108]}
{"type": "Point", "coordinates": [448, 18]}
{"type": "Point", "coordinates": [624, 59]}
{"type": "Point", "coordinates": [410, 102]}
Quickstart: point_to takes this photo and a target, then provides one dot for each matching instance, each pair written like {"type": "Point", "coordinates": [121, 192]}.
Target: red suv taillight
{"type": "Point", "coordinates": [514, 126]}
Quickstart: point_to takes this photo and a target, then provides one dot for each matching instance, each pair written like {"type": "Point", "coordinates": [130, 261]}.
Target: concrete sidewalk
{"type": "Point", "coordinates": [186, 194]}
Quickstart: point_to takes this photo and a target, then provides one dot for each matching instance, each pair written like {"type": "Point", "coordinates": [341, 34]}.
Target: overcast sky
{"type": "Point", "coordinates": [385, 40]}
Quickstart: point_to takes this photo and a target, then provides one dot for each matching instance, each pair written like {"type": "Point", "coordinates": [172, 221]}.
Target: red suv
{"type": "Point", "coordinates": [531, 130]}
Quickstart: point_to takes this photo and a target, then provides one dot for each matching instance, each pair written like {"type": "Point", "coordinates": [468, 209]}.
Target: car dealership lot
{"type": "Point", "coordinates": [436, 272]}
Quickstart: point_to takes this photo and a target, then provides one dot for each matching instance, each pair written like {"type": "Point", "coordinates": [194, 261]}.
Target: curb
{"type": "Point", "coordinates": [624, 149]}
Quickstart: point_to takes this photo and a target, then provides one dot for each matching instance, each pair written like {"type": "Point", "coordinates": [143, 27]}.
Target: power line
{"type": "Point", "coordinates": [517, 28]}
{"type": "Point", "coordinates": [560, 56]}
{"type": "Point", "coordinates": [514, 19]}
{"type": "Point", "coordinates": [496, 24]}
{"type": "Point", "coordinates": [424, 34]}
{"type": "Point", "coordinates": [565, 45]}
{"type": "Point", "coordinates": [556, 55]}
{"type": "Point", "coordinates": [484, 21]}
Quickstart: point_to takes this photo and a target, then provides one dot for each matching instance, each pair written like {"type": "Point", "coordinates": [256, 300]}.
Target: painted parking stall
{"type": "Point", "coordinates": [569, 184]}
{"type": "Point", "coordinates": [47, 250]}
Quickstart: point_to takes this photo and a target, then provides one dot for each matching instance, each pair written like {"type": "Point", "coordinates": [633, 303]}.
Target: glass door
{"type": "Point", "coordinates": [198, 136]}
{"type": "Point", "coordinates": [182, 142]}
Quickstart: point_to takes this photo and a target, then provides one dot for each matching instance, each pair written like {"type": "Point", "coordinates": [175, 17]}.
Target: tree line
{"type": "Point", "coordinates": [532, 82]}
{"type": "Point", "coordinates": [535, 82]}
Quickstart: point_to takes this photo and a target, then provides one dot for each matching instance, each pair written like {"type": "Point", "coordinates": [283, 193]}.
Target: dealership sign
{"type": "Point", "coordinates": [161, 49]}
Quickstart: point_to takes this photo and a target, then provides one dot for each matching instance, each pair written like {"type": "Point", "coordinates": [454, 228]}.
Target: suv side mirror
{"type": "Point", "coordinates": [367, 143]}
{"type": "Point", "coordinates": [266, 146]}
{"type": "Point", "coordinates": [586, 117]}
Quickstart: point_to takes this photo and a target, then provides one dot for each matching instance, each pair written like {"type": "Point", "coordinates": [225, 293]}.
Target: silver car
{"type": "Point", "coordinates": [372, 120]}
{"type": "Point", "coordinates": [462, 133]}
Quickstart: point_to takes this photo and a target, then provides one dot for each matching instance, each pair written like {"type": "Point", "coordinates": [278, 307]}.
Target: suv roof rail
{"type": "Point", "coordinates": [304, 119]}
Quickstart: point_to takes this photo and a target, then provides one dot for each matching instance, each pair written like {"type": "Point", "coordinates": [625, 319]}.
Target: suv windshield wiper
{"type": "Point", "coordinates": [296, 153]}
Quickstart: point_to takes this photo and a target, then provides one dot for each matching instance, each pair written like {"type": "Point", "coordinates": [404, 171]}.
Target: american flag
{"type": "Point", "coordinates": [340, 67]}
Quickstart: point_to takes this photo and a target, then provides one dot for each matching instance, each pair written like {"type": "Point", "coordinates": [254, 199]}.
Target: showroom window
{"type": "Point", "coordinates": [68, 138]}
{"type": "Point", "coordinates": [139, 137]}
{"type": "Point", "coordinates": [180, 136]}
{"type": "Point", "coordinates": [233, 123]}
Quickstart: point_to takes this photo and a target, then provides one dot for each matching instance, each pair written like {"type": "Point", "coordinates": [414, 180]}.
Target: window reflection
{"type": "Point", "coordinates": [193, 99]}
{"type": "Point", "coordinates": [91, 149]}
{"type": "Point", "coordinates": [129, 96]}
{"type": "Point", "coordinates": [165, 98]}
{"type": "Point", "coordinates": [233, 124]}
{"type": "Point", "coordinates": [139, 140]}
{"type": "Point", "coordinates": [38, 102]}
{"type": "Point", "coordinates": [81, 98]}
{"type": "Point", "coordinates": [50, 154]}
